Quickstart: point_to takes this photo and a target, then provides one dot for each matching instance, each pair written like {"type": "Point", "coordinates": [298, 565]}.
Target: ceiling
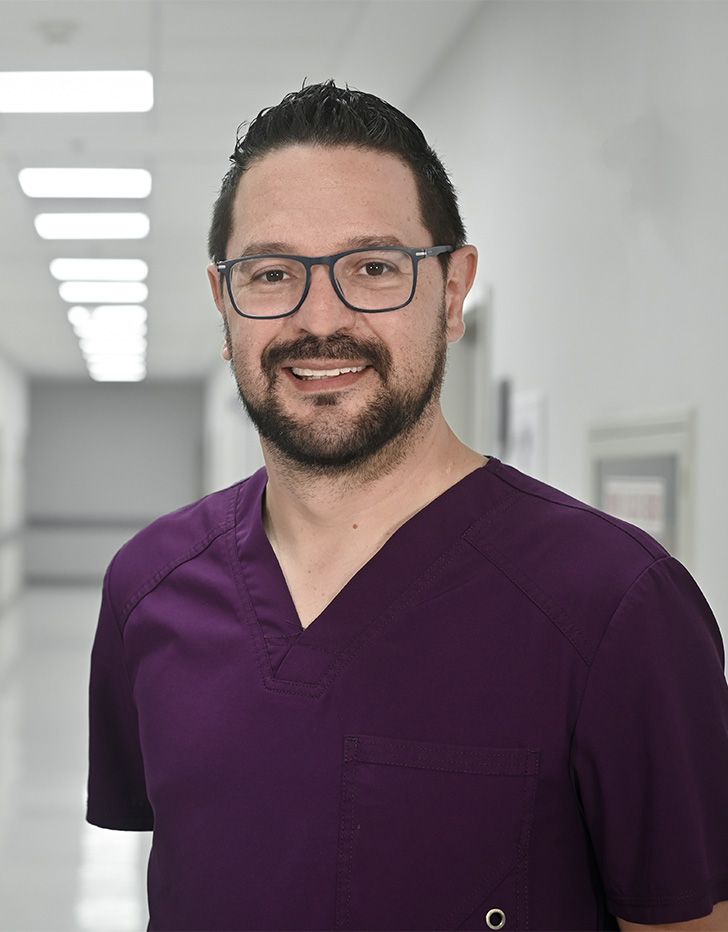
{"type": "Point", "coordinates": [215, 64]}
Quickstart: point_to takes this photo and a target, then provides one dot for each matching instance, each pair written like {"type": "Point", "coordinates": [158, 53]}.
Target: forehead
{"type": "Point", "coordinates": [317, 199]}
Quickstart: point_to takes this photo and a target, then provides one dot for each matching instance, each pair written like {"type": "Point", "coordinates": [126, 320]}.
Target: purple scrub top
{"type": "Point", "coordinates": [514, 716]}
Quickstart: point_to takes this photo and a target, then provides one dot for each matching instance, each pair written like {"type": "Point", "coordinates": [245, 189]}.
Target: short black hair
{"type": "Point", "coordinates": [326, 115]}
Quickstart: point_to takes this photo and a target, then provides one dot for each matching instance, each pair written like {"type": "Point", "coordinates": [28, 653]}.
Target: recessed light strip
{"type": "Point", "coordinates": [103, 292]}
{"type": "Point", "coordinates": [76, 91]}
{"type": "Point", "coordinates": [86, 182]}
{"type": "Point", "coordinates": [99, 270]}
{"type": "Point", "coordinates": [113, 342]}
{"type": "Point", "coordinates": [92, 226]}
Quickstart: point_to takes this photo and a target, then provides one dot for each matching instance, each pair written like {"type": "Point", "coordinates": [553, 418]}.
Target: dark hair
{"type": "Point", "coordinates": [327, 115]}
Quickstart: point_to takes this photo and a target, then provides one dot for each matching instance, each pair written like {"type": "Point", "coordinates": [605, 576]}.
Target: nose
{"type": "Point", "coordinates": [323, 312]}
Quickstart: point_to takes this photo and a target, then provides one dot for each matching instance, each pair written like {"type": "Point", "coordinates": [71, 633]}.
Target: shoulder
{"type": "Point", "coordinates": [575, 562]}
{"type": "Point", "coordinates": [532, 511]}
{"type": "Point", "coordinates": [175, 538]}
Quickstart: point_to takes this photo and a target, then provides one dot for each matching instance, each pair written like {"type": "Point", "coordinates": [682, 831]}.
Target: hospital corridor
{"type": "Point", "coordinates": [56, 872]}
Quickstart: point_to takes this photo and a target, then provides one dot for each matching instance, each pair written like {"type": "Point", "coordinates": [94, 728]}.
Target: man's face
{"type": "Point", "coordinates": [331, 388]}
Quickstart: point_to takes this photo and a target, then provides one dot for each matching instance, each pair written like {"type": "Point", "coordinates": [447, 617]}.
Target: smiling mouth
{"type": "Point", "coordinates": [310, 374]}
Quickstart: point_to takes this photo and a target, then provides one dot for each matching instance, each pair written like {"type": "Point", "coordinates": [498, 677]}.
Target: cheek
{"type": "Point", "coordinates": [249, 338]}
{"type": "Point", "coordinates": [414, 350]}
{"type": "Point", "coordinates": [426, 330]}
{"type": "Point", "coordinates": [246, 359]}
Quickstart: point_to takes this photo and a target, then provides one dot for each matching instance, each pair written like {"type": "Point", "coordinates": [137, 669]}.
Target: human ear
{"type": "Point", "coordinates": [217, 293]}
{"type": "Point", "coordinates": [216, 286]}
{"type": "Point", "coordinates": [460, 277]}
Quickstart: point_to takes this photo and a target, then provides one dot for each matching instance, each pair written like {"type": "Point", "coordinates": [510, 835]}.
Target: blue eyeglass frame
{"type": "Point", "coordinates": [417, 255]}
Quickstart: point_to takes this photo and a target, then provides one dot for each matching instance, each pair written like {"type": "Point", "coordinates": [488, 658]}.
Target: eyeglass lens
{"type": "Point", "coordinates": [369, 280]}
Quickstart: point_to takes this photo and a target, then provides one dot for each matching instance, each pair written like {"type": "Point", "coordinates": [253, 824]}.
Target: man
{"type": "Point", "coordinates": [387, 683]}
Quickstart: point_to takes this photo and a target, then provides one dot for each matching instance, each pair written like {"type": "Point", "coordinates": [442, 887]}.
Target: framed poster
{"type": "Point", "coordinates": [527, 434]}
{"type": "Point", "coordinates": [640, 471]}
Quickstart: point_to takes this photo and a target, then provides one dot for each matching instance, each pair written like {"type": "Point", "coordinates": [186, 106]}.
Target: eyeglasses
{"type": "Point", "coordinates": [369, 280]}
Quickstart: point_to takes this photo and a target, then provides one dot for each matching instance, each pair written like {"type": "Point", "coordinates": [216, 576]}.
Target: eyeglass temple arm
{"type": "Point", "coordinates": [433, 251]}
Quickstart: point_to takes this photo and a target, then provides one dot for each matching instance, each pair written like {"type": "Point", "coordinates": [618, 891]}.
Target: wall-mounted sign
{"type": "Point", "coordinates": [640, 472]}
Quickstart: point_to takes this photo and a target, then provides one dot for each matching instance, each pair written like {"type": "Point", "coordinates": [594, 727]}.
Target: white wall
{"type": "Point", "coordinates": [589, 143]}
{"type": "Point", "coordinates": [104, 459]}
{"type": "Point", "coordinates": [13, 430]}
{"type": "Point", "coordinates": [232, 448]}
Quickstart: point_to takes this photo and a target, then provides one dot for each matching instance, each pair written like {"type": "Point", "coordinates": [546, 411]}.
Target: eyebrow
{"type": "Point", "coordinates": [264, 249]}
{"type": "Point", "coordinates": [272, 248]}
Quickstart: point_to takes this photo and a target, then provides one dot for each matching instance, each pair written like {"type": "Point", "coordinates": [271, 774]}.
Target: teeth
{"type": "Point", "coordinates": [324, 373]}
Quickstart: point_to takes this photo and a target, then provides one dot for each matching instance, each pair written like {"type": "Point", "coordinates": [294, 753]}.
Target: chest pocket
{"type": "Point", "coordinates": [434, 836]}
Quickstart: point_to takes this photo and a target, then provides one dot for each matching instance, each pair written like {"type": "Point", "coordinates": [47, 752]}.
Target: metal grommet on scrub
{"type": "Point", "coordinates": [495, 918]}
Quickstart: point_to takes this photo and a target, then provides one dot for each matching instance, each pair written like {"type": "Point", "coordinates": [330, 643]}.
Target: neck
{"type": "Point", "coordinates": [323, 529]}
{"type": "Point", "coordinates": [373, 501]}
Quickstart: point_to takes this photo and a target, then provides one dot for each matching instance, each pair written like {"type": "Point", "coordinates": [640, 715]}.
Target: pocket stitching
{"type": "Point", "coordinates": [468, 906]}
{"type": "Point", "coordinates": [353, 746]}
{"type": "Point", "coordinates": [345, 807]}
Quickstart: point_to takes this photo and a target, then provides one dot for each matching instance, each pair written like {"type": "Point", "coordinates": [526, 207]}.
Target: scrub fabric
{"type": "Point", "coordinates": [515, 711]}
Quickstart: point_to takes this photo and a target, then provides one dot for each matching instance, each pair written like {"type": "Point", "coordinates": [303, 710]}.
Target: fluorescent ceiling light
{"type": "Point", "coordinates": [117, 368]}
{"type": "Point", "coordinates": [93, 348]}
{"type": "Point", "coordinates": [85, 182]}
{"type": "Point", "coordinates": [99, 270]}
{"type": "Point", "coordinates": [112, 341]}
{"type": "Point", "coordinates": [92, 226]}
{"type": "Point", "coordinates": [113, 375]}
{"type": "Point", "coordinates": [112, 318]}
{"type": "Point", "coordinates": [76, 91]}
{"type": "Point", "coordinates": [106, 372]}
{"type": "Point", "coordinates": [125, 315]}
{"type": "Point", "coordinates": [108, 292]}
{"type": "Point", "coordinates": [96, 356]}
{"type": "Point", "coordinates": [114, 371]}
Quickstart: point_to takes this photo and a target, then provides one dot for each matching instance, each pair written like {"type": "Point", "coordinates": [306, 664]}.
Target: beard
{"type": "Point", "coordinates": [335, 445]}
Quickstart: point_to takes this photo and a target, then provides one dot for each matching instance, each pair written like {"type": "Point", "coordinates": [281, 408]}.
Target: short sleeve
{"type": "Point", "coordinates": [650, 753]}
{"type": "Point", "coordinates": [117, 795]}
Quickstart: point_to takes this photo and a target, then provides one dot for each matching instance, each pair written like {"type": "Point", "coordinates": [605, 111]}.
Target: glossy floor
{"type": "Point", "coordinates": [57, 874]}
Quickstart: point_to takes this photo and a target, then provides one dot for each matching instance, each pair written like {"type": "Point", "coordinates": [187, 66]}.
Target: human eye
{"type": "Point", "coordinates": [378, 265]}
{"type": "Point", "coordinates": [270, 276]}
{"type": "Point", "coordinates": [268, 271]}
{"type": "Point", "coordinates": [375, 268]}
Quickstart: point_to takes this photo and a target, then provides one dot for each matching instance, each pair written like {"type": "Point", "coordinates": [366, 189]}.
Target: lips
{"type": "Point", "coordinates": [314, 358]}
{"type": "Point", "coordinates": [309, 374]}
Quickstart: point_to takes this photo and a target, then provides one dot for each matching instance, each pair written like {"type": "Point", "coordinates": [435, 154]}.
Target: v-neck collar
{"type": "Point", "coordinates": [292, 657]}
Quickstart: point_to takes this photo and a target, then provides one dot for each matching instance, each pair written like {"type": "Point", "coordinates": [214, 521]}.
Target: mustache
{"type": "Point", "coordinates": [335, 346]}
